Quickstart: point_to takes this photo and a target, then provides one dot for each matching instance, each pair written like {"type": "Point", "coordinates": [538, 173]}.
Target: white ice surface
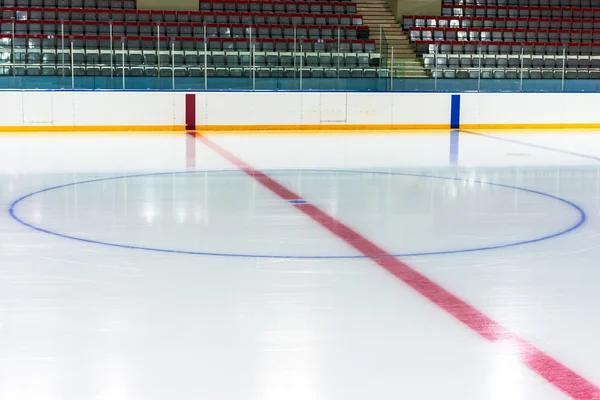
{"type": "Point", "coordinates": [89, 321]}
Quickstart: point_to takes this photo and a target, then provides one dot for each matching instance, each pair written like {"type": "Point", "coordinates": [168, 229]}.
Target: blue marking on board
{"type": "Point", "coordinates": [455, 112]}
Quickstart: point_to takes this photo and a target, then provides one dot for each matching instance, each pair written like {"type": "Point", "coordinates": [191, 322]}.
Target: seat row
{"type": "Point", "coordinates": [113, 4]}
{"type": "Point", "coordinates": [442, 61]}
{"type": "Point", "coordinates": [519, 12]}
{"type": "Point", "coordinates": [500, 23]}
{"type": "Point", "coordinates": [183, 43]}
{"type": "Point", "coordinates": [185, 30]}
{"type": "Point", "coordinates": [106, 15]}
{"type": "Point", "coordinates": [505, 35]}
{"type": "Point", "coordinates": [315, 7]}
{"type": "Point", "coordinates": [516, 74]}
{"type": "Point", "coordinates": [193, 72]}
{"type": "Point", "coordinates": [461, 47]}
{"type": "Point", "coordinates": [532, 3]}
{"type": "Point", "coordinates": [189, 59]}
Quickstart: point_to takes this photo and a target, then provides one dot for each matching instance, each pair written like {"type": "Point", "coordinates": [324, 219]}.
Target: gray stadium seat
{"type": "Point", "coordinates": [450, 74]}
{"type": "Point", "coordinates": [547, 74]}
{"type": "Point", "coordinates": [499, 74]}
{"type": "Point", "coordinates": [512, 74]}
{"type": "Point", "coordinates": [535, 74]}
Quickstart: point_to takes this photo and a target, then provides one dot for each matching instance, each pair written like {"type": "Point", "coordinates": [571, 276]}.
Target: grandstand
{"type": "Point", "coordinates": [538, 39]}
{"type": "Point", "coordinates": [225, 38]}
{"type": "Point", "coordinates": [477, 39]}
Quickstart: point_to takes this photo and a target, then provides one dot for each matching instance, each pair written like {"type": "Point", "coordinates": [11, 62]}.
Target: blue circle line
{"type": "Point", "coordinates": [582, 216]}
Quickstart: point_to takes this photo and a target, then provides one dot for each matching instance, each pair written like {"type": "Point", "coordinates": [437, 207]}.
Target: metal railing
{"type": "Point", "coordinates": [28, 57]}
{"type": "Point", "coordinates": [67, 65]}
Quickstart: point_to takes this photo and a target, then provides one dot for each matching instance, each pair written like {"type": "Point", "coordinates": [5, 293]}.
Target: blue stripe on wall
{"type": "Point", "coordinates": [455, 112]}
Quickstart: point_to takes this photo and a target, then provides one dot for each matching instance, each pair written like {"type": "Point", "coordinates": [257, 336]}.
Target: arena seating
{"type": "Point", "coordinates": [114, 4]}
{"type": "Point", "coordinates": [225, 38]}
{"type": "Point", "coordinates": [504, 38]}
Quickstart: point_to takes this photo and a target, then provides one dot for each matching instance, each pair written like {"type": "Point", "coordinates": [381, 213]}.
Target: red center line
{"type": "Point", "coordinates": [550, 369]}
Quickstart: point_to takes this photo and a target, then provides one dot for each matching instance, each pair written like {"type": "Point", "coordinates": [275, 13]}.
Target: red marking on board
{"type": "Point", "coordinates": [190, 112]}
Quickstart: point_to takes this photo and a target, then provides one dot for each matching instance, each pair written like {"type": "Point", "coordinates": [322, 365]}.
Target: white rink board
{"type": "Point", "coordinates": [511, 109]}
{"type": "Point", "coordinates": [91, 109]}
{"type": "Point", "coordinates": [293, 110]}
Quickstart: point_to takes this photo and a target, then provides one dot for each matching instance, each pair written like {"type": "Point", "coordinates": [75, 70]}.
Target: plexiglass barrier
{"type": "Point", "coordinates": [322, 84]}
{"type": "Point", "coordinates": [245, 59]}
{"type": "Point", "coordinates": [223, 61]}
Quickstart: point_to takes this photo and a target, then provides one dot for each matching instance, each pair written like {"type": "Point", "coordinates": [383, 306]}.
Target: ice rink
{"type": "Point", "coordinates": [298, 266]}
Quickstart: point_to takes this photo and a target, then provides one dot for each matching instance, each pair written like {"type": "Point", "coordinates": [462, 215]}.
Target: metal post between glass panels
{"type": "Point", "coordinates": [522, 65]}
{"type": "Point", "coordinates": [339, 52]}
{"type": "Point", "coordinates": [173, 64]}
{"type": "Point", "coordinates": [562, 84]}
{"type": "Point", "coordinates": [381, 38]}
{"type": "Point", "coordinates": [123, 60]}
{"type": "Point", "coordinates": [301, 64]}
{"type": "Point", "coordinates": [72, 69]}
{"type": "Point", "coordinates": [110, 26]}
{"type": "Point", "coordinates": [205, 60]}
{"type": "Point", "coordinates": [295, 52]}
{"type": "Point", "coordinates": [62, 39]}
{"type": "Point", "coordinates": [435, 66]}
{"type": "Point", "coordinates": [253, 67]}
{"type": "Point", "coordinates": [12, 48]}
{"type": "Point", "coordinates": [249, 66]}
{"type": "Point", "coordinates": [158, 50]}
{"type": "Point", "coordinates": [392, 70]}
{"type": "Point", "coordinates": [479, 74]}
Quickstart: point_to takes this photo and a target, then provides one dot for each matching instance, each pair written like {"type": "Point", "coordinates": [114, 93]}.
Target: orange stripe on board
{"type": "Point", "coordinates": [322, 127]}
{"type": "Point", "coordinates": [102, 128]}
{"type": "Point", "coordinates": [530, 126]}
{"type": "Point", "coordinates": [283, 129]}
{"type": "Point", "coordinates": [226, 128]}
{"type": "Point", "coordinates": [323, 132]}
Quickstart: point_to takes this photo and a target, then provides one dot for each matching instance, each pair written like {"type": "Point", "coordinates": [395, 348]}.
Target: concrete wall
{"type": "Point", "coordinates": [190, 5]}
{"type": "Point", "coordinates": [415, 7]}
